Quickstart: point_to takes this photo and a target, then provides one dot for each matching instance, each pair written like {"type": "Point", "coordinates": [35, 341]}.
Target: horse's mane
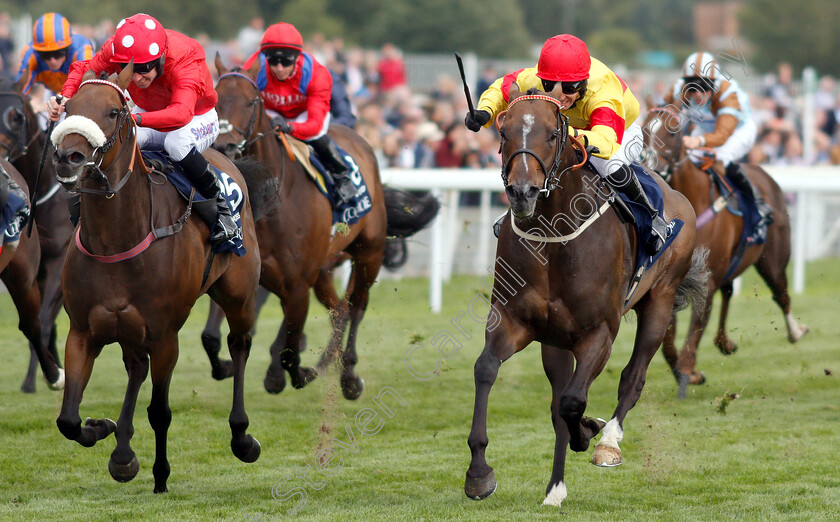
{"type": "Point", "coordinates": [263, 187]}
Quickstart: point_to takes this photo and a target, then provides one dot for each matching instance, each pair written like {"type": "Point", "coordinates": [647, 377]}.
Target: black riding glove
{"type": "Point", "coordinates": [280, 124]}
{"type": "Point", "coordinates": [475, 121]}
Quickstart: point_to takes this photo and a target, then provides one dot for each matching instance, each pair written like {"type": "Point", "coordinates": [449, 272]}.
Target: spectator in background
{"type": "Point", "coordinates": [248, 38]}
{"type": "Point", "coordinates": [391, 69]}
{"type": "Point", "coordinates": [341, 110]}
{"type": "Point", "coordinates": [782, 91]}
{"type": "Point", "coordinates": [7, 46]}
{"type": "Point", "coordinates": [488, 76]}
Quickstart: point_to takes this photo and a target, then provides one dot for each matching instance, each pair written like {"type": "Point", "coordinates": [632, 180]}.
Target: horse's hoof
{"type": "Point", "coordinates": [161, 489]}
{"type": "Point", "coordinates": [480, 488]}
{"type": "Point", "coordinates": [606, 456]}
{"type": "Point", "coordinates": [803, 329]}
{"type": "Point", "coordinates": [275, 381]}
{"type": "Point", "coordinates": [697, 378]}
{"type": "Point", "coordinates": [249, 452]}
{"type": "Point", "coordinates": [223, 371]}
{"type": "Point", "coordinates": [59, 381]}
{"type": "Point", "coordinates": [352, 387]}
{"type": "Point", "coordinates": [123, 472]}
{"type": "Point", "coordinates": [727, 347]}
{"type": "Point", "coordinates": [102, 427]}
{"type": "Point", "coordinates": [306, 375]}
{"type": "Point", "coordinates": [28, 387]}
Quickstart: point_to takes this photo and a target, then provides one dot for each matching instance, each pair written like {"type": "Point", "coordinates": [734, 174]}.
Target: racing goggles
{"type": "Point", "coordinates": [567, 87]}
{"type": "Point", "coordinates": [698, 83]}
{"type": "Point", "coordinates": [284, 57]}
{"type": "Point", "coordinates": [52, 55]}
{"type": "Point", "coordinates": [142, 68]}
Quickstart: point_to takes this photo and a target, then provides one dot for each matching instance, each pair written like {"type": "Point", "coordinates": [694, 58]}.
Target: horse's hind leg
{"type": "Point", "coordinates": [51, 303]}
{"type": "Point", "coordinates": [123, 465]}
{"type": "Point", "coordinates": [500, 343]}
{"type": "Point", "coordinates": [726, 345]}
{"type": "Point", "coordinates": [771, 266]}
{"type": "Point", "coordinates": [558, 365]}
{"type": "Point", "coordinates": [669, 348]}
{"type": "Point", "coordinates": [364, 274]}
{"type": "Point", "coordinates": [244, 446]}
{"type": "Point", "coordinates": [295, 309]}
{"type": "Point", "coordinates": [79, 355]}
{"type": "Point", "coordinates": [688, 355]}
{"type": "Point", "coordinates": [163, 360]}
{"type": "Point", "coordinates": [211, 339]}
{"type": "Point", "coordinates": [325, 293]}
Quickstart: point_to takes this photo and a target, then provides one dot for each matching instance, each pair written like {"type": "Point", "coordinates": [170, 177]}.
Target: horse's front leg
{"type": "Point", "coordinates": [123, 465]}
{"type": "Point", "coordinates": [244, 446]}
{"type": "Point", "coordinates": [163, 360]}
{"type": "Point", "coordinates": [499, 345]}
{"type": "Point", "coordinates": [79, 355]}
{"type": "Point", "coordinates": [211, 339]}
{"type": "Point", "coordinates": [591, 353]}
{"type": "Point", "coordinates": [654, 315]}
{"type": "Point", "coordinates": [558, 365]}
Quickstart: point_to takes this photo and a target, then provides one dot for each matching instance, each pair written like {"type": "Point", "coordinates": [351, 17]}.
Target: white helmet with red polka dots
{"type": "Point", "coordinates": [140, 38]}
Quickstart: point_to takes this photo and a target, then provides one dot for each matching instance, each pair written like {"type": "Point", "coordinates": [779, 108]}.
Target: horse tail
{"type": "Point", "coordinates": [407, 213]}
{"type": "Point", "coordinates": [694, 288]}
{"type": "Point", "coordinates": [263, 187]}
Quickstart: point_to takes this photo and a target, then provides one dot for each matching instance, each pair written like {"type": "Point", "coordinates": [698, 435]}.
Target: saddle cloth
{"type": "Point", "coordinates": [230, 189]}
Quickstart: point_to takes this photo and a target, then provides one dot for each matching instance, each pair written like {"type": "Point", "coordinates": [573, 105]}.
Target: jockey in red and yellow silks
{"type": "Point", "coordinates": [599, 106]}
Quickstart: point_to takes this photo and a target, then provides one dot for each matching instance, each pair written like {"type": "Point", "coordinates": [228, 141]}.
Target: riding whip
{"type": "Point", "coordinates": [33, 203]}
{"type": "Point", "coordinates": [466, 87]}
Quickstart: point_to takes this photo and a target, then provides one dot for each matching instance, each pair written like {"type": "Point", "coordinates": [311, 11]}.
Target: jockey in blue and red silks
{"type": "Point", "coordinates": [175, 102]}
{"type": "Point", "coordinates": [296, 91]}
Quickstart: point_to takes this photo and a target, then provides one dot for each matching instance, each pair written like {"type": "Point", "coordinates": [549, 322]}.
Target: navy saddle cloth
{"type": "Point", "coordinates": [359, 205]}
{"type": "Point", "coordinates": [14, 217]}
{"type": "Point", "coordinates": [232, 192]}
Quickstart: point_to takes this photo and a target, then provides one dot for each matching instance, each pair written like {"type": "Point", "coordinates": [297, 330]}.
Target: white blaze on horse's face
{"type": "Point", "coordinates": [527, 127]}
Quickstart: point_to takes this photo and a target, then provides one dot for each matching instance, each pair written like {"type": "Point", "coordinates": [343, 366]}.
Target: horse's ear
{"type": "Point", "coordinates": [515, 92]}
{"type": "Point", "coordinates": [254, 70]}
{"type": "Point", "coordinates": [649, 101]}
{"type": "Point", "coordinates": [90, 74]}
{"type": "Point", "coordinates": [21, 83]}
{"type": "Point", "coordinates": [124, 78]}
{"type": "Point", "coordinates": [220, 67]}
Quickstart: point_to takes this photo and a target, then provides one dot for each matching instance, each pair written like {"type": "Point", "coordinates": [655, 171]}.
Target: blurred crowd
{"type": "Point", "coordinates": [410, 128]}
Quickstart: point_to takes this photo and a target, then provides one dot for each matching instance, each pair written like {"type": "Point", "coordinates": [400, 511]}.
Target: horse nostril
{"type": "Point", "coordinates": [512, 193]}
{"type": "Point", "coordinates": [76, 158]}
{"type": "Point", "coordinates": [533, 192]}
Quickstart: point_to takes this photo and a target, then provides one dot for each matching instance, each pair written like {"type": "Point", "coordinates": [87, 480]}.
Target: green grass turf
{"type": "Point", "coordinates": [771, 456]}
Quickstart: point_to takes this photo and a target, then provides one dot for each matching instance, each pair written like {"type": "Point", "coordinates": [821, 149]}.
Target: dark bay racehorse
{"type": "Point", "coordinates": [720, 232]}
{"type": "Point", "coordinates": [568, 290]}
{"type": "Point", "coordinates": [22, 142]}
{"type": "Point", "coordinates": [18, 270]}
{"type": "Point", "coordinates": [297, 246]}
{"type": "Point", "coordinates": [123, 286]}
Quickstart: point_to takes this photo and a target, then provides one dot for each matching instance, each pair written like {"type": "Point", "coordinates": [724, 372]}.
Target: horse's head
{"type": "Point", "coordinates": [663, 140]}
{"type": "Point", "coordinates": [97, 117]}
{"type": "Point", "coordinates": [534, 135]}
{"type": "Point", "coordinates": [16, 132]}
{"type": "Point", "coordinates": [242, 119]}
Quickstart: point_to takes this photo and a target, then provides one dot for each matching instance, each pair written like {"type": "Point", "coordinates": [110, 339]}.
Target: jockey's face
{"type": "Point", "coordinates": [566, 100]}
{"type": "Point", "coordinates": [54, 59]}
{"type": "Point", "coordinates": [699, 97]}
{"type": "Point", "coordinates": [143, 80]}
{"type": "Point", "coordinates": [282, 73]}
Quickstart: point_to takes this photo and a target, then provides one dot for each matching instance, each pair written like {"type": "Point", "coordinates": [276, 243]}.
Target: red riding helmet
{"type": "Point", "coordinates": [51, 32]}
{"type": "Point", "coordinates": [139, 37]}
{"type": "Point", "coordinates": [281, 35]}
{"type": "Point", "coordinates": [564, 58]}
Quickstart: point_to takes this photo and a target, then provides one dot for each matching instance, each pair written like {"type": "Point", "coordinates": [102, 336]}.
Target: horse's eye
{"type": "Point", "coordinates": [502, 134]}
{"type": "Point", "coordinates": [114, 113]}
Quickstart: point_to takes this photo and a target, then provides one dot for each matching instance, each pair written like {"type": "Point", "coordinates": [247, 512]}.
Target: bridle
{"type": "Point", "coordinates": [560, 133]}
{"type": "Point", "coordinates": [249, 137]}
{"type": "Point", "coordinates": [673, 159]}
{"type": "Point", "coordinates": [94, 165]}
{"type": "Point", "coordinates": [15, 152]}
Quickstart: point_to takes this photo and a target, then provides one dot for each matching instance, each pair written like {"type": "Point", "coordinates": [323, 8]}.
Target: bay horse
{"type": "Point", "coordinates": [19, 270]}
{"type": "Point", "coordinates": [566, 287]}
{"type": "Point", "coordinates": [22, 142]}
{"type": "Point", "coordinates": [296, 243]}
{"type": "Point", "coordinates": [123, 286]}
{"type": "Point", "coordinates": [720, 232]}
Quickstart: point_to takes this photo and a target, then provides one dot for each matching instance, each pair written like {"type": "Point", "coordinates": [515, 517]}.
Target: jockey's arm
{"type": "Point", "coordinates": [726, 122]}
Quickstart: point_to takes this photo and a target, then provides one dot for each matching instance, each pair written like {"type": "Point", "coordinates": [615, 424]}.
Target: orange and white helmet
{"type": "Point", "coordinates": [51, 32]}
{"type": "Point", "coordinates": [701, 65]}
{"type": "Point", "coordinates": [140, 38]}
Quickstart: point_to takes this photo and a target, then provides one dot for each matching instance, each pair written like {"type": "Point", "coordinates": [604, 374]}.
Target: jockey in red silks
{"type": "Point", "coordinates": [54, 47]}
{"type": "Point", "coordinates": [296, 91]}
{"type": "Point", "coordinates": [175, 102]}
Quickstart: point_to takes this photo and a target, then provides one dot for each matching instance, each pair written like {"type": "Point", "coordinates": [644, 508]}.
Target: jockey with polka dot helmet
{"type": "Point", "coordinates": [174, 98]}
{"type": "Point", "coordinates": [54, 47]}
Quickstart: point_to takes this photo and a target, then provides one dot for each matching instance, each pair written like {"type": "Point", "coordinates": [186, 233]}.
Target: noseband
{"type": "Point", "coordinates": [561, 132]}
{"type": "Point", "coordinates": [226, 127]}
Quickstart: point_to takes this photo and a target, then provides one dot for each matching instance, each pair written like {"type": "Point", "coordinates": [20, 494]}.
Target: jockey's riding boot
{"type": "Point", "coordinates": [329, 155]}
{"type": "Point", "coordinates": [203, 178]}
{"type": "Point", "coordinates": [738, 177]}
{"type": "Point", "coordinates": [625, 181]}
